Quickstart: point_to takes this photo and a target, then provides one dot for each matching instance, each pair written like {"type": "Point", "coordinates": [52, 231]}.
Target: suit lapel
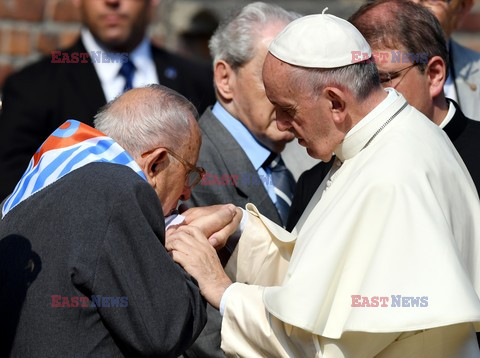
{"type": "Point", "coordinates": [237, 163]}
{"type": "Point", "coordinates": [166, 70]}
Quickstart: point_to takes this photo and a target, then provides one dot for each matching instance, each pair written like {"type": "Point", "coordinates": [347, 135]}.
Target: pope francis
{"type": "Point", "coordinates": [385, 260]}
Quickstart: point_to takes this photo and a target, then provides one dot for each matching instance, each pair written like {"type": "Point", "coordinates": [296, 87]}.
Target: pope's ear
{"type": "Point", "coordinates": [224, 76]}
{"type": "Point", "coordinates": [336, 99]}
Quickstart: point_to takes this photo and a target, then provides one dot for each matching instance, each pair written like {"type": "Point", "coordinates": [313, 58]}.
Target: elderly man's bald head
{"type": "Point", "coordinates": [144, 118]}
{"type": "Point", "coordinates": [158, 127]}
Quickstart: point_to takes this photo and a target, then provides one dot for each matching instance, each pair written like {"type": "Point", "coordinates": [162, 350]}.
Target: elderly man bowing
{"type": "Point", "coordinates": [385, 260]}
{"type": "Point", "coordinates": [83, 269]}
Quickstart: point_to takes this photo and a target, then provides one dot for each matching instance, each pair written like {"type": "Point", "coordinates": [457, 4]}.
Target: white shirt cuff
{"type": "Point", "coordinates": [243, 223]}
{"type": "Point", "coordinates": [174, 219]}
{"type": "Point", "coordinates": [233, 239]}
{"type": "Point", "coordinates": [224, 299]}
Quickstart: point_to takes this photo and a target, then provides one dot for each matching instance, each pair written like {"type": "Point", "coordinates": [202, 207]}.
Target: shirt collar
{"type": "Point", "coordinates": [449, 116]}
{"type": "Point", "coordinates": [108, 71]}
{"type": "Point", "coordinates": [362, 132]}
{"type": "Point", "coordinates": [256, 153]}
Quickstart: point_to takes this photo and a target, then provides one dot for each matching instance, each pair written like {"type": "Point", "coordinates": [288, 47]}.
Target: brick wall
{"type": "Point", "coordinates": [32, 28]}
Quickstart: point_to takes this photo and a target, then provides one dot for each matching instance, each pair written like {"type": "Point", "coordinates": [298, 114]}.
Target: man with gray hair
{"type": "Point", "coordinates": [241, 142]}
{"type": "Point", "coordinates": [83, 268]}
{"type": "Point", "coordinates": [384, 262]}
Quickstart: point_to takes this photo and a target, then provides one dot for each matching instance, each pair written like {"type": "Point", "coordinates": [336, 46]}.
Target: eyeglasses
{"type": "Point", "coordinates": [194, 174]}
{"type": "Point", "coordinates": [387, 78]}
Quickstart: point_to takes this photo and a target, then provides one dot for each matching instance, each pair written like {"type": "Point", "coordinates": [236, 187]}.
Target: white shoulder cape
{"type": "Point", "coordinates": [401, 217]}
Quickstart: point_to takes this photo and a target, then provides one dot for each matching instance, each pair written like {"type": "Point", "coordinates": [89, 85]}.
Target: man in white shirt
{"type": "Point", "coordinates": [385, 260]}
{"type": "Point", "coordinates": [112, 54]}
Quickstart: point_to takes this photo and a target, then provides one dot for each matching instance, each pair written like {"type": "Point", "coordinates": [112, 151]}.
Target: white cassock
{"type": "Point", "coordinates": [399, 217]}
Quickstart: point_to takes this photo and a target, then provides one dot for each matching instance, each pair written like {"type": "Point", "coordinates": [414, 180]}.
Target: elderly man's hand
{"type": "Point", "coordinates": [216, 222]}
{"type": "Point", "coordinates": [191, 249]}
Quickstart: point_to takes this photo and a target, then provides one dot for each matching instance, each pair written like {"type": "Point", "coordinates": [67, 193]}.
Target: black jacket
{"type": "Point", "coordinates": [42, 96]}
{"type": "Point", "coordinates": [98, 231]}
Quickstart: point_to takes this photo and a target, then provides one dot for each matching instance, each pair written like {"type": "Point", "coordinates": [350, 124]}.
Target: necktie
{"type": "Point", "coordinates": [126, 71]}
{"type": "Point", "coordinates": [284, 184]}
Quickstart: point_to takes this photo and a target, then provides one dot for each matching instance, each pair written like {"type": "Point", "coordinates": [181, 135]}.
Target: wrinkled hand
{"type": "Point", "coordinates": [216, 222]}
{"type": "Point", "coordinates": [190, 248]}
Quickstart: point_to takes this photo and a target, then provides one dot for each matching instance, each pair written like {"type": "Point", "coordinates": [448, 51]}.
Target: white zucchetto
{"type": "Point", "coordinates": [319, 41]}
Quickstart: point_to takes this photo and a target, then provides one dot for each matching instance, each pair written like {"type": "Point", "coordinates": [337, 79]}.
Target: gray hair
{"type": "Point", "coordinates": [148, 117]}
{"type": "Point", "coordinates": [359, 78]}
{"type": "Point", "coordinates": [236, 37]}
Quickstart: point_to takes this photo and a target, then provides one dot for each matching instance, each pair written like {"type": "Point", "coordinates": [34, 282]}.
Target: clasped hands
{"type": "Point", "coordinates": [194, 243]}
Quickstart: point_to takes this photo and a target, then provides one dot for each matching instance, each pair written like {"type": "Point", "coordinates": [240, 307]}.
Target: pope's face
{"type": "Point", "coordinates": [251, 104]}
{"type": "Point", "coordinates": [298, 111]}
{"type": "Point", "coordinates": [406, 79]}
{"type": "Point", "coordinates": [117, 24]}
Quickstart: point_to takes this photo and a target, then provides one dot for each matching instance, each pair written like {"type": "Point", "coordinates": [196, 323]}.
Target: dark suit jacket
{"type": "Point", "coordinates": [97, 231]}
{"type": "Point", "coordinates": [307, 185]}
{"type": "Point", "coordinates": [463, 132]}
{"type": "Point", "coordinates": [40, 97]}
{"type": "Point", "coordinates": [221, 155]}
{"type": "Point", "coordinates": [465, 136]}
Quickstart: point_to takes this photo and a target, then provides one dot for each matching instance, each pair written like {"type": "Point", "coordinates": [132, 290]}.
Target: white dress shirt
{"type": "Point", "coordinates": [108, 72]}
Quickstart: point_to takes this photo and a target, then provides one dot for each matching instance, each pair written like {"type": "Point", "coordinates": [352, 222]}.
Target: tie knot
{"type": "Point", "coordinates": [126, 71]}
{"type": "Point", "coordinates": [275, 162]}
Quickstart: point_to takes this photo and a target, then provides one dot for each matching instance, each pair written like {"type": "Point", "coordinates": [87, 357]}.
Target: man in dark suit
{"type": "Point", "coordinates": [83, 268]}
{"type": "Point", "coordinates": [241, 141]}
{"type": "Point", "coordinates": [420, 82]}
{"type": "Point", "coordinates": [111, 55]}
{"type": "Point", "coordinates": [240, 134]}
{"type": "Point", "coordinates": [463, 82]}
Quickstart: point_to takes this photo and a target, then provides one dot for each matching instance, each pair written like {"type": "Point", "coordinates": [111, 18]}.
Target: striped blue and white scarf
{"type": "Point", "coordinates": [70, 147]}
